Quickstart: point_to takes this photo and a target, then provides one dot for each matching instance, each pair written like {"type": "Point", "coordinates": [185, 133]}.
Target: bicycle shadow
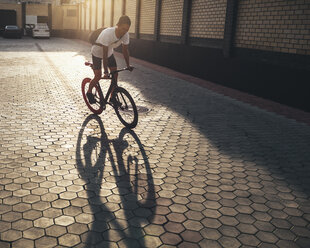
{"type": "Point", "coordinates": [118, 184]}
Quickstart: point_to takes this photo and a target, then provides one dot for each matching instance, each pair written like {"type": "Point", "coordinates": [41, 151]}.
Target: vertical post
{"type": "Point", "coordinates": [230, 26]}
{"type": "Point", "coordinates": [157, 20]}
{"type": "Point", "coordinates": [103, 12]}
{"type": "Point", "coordinates": [112, 13]}
{"type": "Point", "coordinates": [50, 16]}
{"type": "Point", "coordinates": [80, 16]}
{"type": "Point", "coordinates": [124, 7]}
{"type": "Point", "coordinates": [137, 27]}
{"type": "Point", "coordinates": [96, 21]}
{"type": "Point", "coordinates": [90, 10]}
{"type": "Point", "coordinates": [187, 6]}
{"type": "Point", "coordinates": [23, 15]}
{"type": "Point", "coordinates": [85, 15]}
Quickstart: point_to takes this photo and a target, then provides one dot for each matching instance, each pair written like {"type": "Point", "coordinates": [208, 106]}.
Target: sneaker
{"type": "Point", "coordinates": [91, 98]}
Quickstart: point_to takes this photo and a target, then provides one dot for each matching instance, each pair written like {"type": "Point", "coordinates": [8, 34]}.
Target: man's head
{"type": "Point", "coordinates": [123, 24]}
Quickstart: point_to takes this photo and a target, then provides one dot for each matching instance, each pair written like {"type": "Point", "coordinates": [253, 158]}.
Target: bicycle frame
{"type": "Point", "coordinates": [113, 84]}
{"type": "Point", "coordinates": [116, 96]}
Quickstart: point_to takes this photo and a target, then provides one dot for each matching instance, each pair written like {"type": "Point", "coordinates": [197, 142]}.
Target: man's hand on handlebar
{"type": "Point", "coordinates": [106, 74]}
{"type": "Point", "coordinates": [130, 68]}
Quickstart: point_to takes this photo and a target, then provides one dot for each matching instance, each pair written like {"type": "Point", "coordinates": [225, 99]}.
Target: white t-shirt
{"type": "Point", "coordinates": [108, 38]}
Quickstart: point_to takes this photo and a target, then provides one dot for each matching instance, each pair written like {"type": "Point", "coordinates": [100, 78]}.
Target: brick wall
{"type": "Point", "coordinates": [131, 12]}
{"type": "Point", "coordinates": [208, 19]}
{"type": "Point", "coordinates": [37, 9]}
{"type": "Point", "coordinates": [171, 17]}
{"type": "Point", "coordinates": [70, 22]}
{"type": "Point", "coordinates": [281, 26]}
{"type": "Point", "coordinates": [147, 17]}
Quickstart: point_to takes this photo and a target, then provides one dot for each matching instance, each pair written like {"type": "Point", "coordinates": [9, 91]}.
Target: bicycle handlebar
{"type": "Point", "coordinates": [112, 72]}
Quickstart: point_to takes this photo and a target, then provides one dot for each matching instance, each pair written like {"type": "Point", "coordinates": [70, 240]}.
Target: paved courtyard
{"type": "Point", "coordinates": [200, 169]}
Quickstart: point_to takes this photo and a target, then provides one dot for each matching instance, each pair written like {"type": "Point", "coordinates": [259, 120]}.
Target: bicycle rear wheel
{"type": "Point", "coordinates": [97, 107]}
{"type": "Point", "coordinates": [125, 107]}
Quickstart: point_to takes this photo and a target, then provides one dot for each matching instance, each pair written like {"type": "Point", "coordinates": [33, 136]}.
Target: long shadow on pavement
{"type": "Point", "coordinates": [272, 147]}
{"type": "Point", "coordinates": [119, 185]}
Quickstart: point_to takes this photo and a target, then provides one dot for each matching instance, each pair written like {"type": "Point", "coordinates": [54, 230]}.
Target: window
{"type": "Point", "coordinates": [71, 12]}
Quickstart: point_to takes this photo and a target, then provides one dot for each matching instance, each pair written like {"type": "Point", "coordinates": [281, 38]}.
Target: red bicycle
{"type": "Point", "coordinates": [116, 96]}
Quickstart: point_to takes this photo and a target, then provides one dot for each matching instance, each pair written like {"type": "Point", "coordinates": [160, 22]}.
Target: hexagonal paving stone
{"type": "Point", "coordinates": [191, 236]}
{"type": "Point", "coordinates": [43, 222]}
{"type": "Point", "coordinates": [170, 238]}
{"type": "Point", "coordinates": [22, 243]}
{"type": "Point", "coordinates": [11, 235]}
{"type": "Point", "coordinates": [64, 220]}
{"type": "Point", "coordinates": [22, 224]}
{"type": "Point", "coordinates": [150, 241]}
{"type": "Point", "coordinates": [77, 228]}
{"type": "Point", "coordinates": [33, 233]}
{"type": "Point", "coordinates": [112, 235]}
{"type": "Point", "coordinates": [84, 218]}
{"type": "Point", "coordinates": [176, 217]}
{"type": "Point", "coordinates": [11, 216]}
{"type": "Point", "coordinates": [155, 230]}
{"type": "Point", "coordinates": [46, 242]}
{"type": "Point", "coordinates": [60, 203]}
{"type": "Point", "coordinates": [55, 231]}
{"type": "Point", "coordinates": [69, 240]}
{"type": "Point", "coordinates": [4, 226]}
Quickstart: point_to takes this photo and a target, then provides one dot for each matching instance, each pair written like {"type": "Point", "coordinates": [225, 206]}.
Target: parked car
{"type": "Point", "coordinates": [41, 30]}
{"type": "Point", "coordinates": [12, 31]}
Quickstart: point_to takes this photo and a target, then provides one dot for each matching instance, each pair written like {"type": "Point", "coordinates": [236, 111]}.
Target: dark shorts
{"type": "Point", "coordinates": [97, 62]}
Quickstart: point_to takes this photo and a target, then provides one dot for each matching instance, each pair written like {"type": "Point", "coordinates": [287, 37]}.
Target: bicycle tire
{"type": "Point", "coordinates": [96, 108]}
{"type": "Point", "coordinates": [125, 107]}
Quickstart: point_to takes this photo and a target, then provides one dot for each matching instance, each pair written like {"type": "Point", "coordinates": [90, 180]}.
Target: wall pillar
{"type": "Point", "coordinates": [96, 20]}
{"type": "Point", "coordinates": [112, 12]}
{"type": "Point", "coordinates": [103, 13]}
{"type": "Point", "coordinates": [157, 20]}
{"type": "Point", "coordinates": [90, 10]}
{"type": "Point", "coordinates": [187, 4]}
{"type": "Point", "coordinates": [124, 7]}
{"type": "Point", "coordinates": [84, 16]}
{"type": "Point", "coordinates": [50, 16]}
{"type": "Point", "coordinates": [137, 27]}
{"type": "Point", "coordinates": [23, 15]}
{"type": "Point", "coordinates": [230, 26]}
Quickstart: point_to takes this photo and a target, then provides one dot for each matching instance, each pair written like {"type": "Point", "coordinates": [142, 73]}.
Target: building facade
{"type": "Point", "coordinates": [258, 46]}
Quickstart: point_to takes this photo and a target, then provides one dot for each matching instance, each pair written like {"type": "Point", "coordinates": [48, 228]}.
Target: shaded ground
{"type": "Point", "coordinates": [200, 169]}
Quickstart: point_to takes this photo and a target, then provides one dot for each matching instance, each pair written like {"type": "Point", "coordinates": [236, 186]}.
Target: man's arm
{"type": "Point", "coordinates": [105, 59]}
{"type": "Point", "coordinates": [126, 55]}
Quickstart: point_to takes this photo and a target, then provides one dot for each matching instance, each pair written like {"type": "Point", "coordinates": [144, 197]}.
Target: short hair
{"type": "Point", "coordinates": [124, 20]}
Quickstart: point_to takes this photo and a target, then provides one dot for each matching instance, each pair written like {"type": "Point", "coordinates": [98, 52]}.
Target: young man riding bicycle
{"type": "Point", "coordinates": [102, 51]}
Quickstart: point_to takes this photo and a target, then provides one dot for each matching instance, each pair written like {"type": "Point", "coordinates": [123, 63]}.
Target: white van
{"type": "Point", "coordinates": [41, 30]}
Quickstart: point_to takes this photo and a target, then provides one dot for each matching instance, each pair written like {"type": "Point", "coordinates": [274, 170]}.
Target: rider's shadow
{"type": "Point", "coordinates": [118, 184]}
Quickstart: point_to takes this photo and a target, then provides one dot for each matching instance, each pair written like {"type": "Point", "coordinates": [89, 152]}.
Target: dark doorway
{"type": "Point", "coordinates": [7, 17]}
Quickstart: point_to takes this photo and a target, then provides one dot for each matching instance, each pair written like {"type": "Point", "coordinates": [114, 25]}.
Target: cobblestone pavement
{"type": "Point", "coordinates": [199, 170]}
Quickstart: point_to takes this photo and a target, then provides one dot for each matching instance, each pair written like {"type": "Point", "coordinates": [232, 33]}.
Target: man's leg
{"type": "Point", "coordinates": [95, 80]}
{"type": "Point", "coordinates": [112, 64]}
{"type": "Point", "coordinates": [97, 72]}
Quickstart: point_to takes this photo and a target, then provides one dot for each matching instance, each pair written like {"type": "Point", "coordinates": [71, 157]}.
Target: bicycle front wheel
{"type": "Point", "coordinates": [97, 107]}
{"type": "Point", "coordinates": [125, 107]}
